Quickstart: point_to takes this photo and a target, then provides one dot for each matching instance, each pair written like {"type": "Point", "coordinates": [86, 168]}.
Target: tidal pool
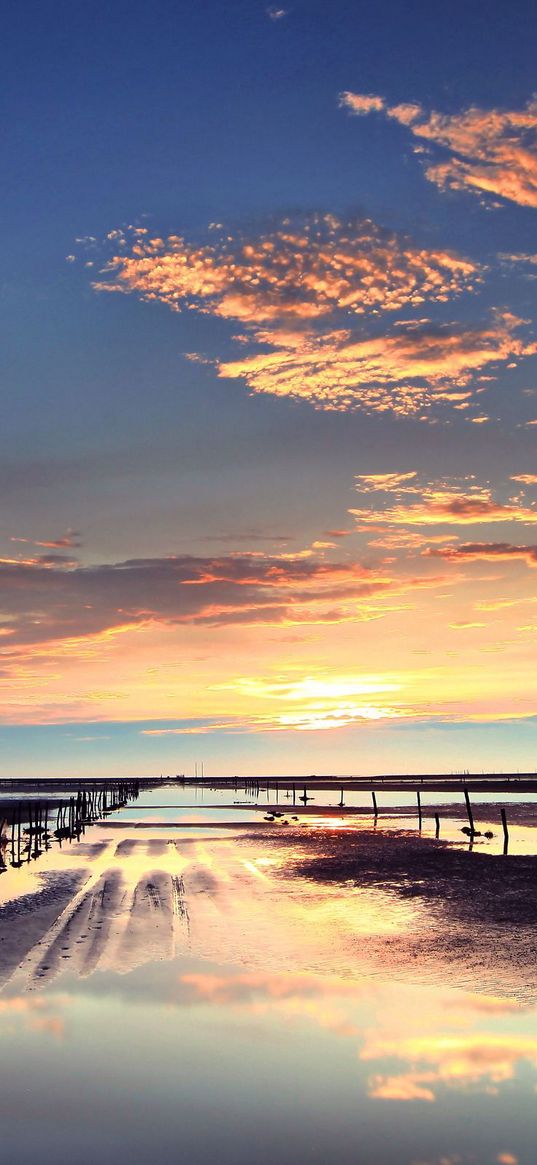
{"type": "Point", "coordinates": [186, 984]}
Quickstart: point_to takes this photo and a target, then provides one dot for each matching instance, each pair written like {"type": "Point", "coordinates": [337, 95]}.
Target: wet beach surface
{"type": "Point", "coordinates": [190, 981]}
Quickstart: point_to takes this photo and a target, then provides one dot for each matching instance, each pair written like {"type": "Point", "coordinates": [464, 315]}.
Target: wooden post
{"type": "Point", "coordinates": [469, 811]}
{"type": "Point", "coordinates": [375, 809]}
{"type": "Point", "coordinates": [30, 828]}
{"type": "Point", "coordinates": [505, 830]}
{"type": "Point", "coordinates": [437, 819]}
{"type": "Point", "coordinates": [419, 810]}
{"type": "Point", "coordinates": [19, 840]}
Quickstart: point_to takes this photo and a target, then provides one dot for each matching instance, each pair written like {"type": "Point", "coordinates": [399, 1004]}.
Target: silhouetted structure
{"type": "Point", "coordinates": [29, 825]}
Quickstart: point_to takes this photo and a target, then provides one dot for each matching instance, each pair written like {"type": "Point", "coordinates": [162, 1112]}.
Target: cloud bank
{"type": "Point", "coordinates": [46, 600]}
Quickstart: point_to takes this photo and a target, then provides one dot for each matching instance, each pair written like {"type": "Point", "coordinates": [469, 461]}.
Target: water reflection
{"type": "Point", "coordinates": [126, 901]}
{"type": "Point", "coordinates": [496, 826]}
{"type": "Point", "coordinates": [29, 825]}
{"type": "Point", "coordinates": [254, 993]}
{"type": "Point", "coordinates": [280, 1066]}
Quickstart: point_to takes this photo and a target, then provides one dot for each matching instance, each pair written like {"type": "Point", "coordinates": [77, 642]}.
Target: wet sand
{"type": "Point", "coordinates": [479, 912]}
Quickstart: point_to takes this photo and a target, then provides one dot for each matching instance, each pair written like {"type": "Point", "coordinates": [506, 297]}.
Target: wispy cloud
{"type": "Point", "coordinates": [68, 541]}
{"type": "Point", "coordinates": [450, 506]}
{"type": "Point", "coordinates": [519, 259]}
{"type": "Point", "coordinates": [488, 551]}
{"type": "Point", "coordinates": [386, 482]}
{"type": "Point", "coordinates": [484, 151]}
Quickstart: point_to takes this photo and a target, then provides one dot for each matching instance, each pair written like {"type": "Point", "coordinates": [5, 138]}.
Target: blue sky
{"type": "Point", "coordinates": [117, 446]}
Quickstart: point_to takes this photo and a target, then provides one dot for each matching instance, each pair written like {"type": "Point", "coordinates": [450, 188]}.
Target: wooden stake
{"type": "Point", "coordinates": [469, 811]}
{"type": "Point", "coordinates": [505, 830]}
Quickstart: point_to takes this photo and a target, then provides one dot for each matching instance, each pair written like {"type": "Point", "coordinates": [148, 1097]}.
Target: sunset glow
{"type": "Point", "coordinates": [269, 461]}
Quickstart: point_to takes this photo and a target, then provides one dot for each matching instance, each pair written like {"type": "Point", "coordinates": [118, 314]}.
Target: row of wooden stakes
{"type": "Point", "coordinates": [29, 827]}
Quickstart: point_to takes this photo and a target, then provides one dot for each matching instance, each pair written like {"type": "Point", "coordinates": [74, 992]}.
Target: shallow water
{"type": "Point", "coordinates": [184, 806]}
{"type": "Point", "coordinates": [176, 992]}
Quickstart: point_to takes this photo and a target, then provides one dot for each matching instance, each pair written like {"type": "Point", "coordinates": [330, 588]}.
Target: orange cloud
{"type": "Point", "coordinates": [362, 103]}
{"type": "Point", "coordinates": [483, 1061]}
{"type": "Point", "coordinates": [405, 372]}
{"type": "Point", "coordinates": [490, 151]}
{"type": "Point", "coordinates": [514, 258]}
{"type": "Point", "coordinates": [489, 551]}
{"type": "Point", "coordinates": [243, 986]}
{"type": "Point", "coordinates": [302, 270]}
{"type": "Point", "coordinates": [386, 482]}
{"type": "Point", "coordinates": [36, 1012]}
{"type": "Point", "coordinates": [403, 539]}
{"type": "Point", "coordinates": [68, 541]}
{"type": "Point", "coordinates": [445, 506]}
{"type": "Point", "coordinates": [411, 1086]}
{"type": "Point", "coordinates": [294, 290]}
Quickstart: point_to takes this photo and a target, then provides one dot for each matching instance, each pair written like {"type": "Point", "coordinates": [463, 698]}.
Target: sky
{"type": "Point", "coordinates": [268, 472]}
